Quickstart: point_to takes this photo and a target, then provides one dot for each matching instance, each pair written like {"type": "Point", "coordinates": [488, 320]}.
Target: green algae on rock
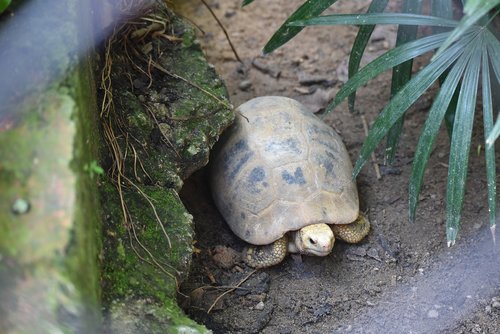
{"type": "Point", "coordinates": [49, 222]}
{"type": "Point", "coordinates": [169, 109]}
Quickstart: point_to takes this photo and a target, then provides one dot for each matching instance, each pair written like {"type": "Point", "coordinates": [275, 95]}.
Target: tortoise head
{"type": "Point", "coordinates": [316, 239]}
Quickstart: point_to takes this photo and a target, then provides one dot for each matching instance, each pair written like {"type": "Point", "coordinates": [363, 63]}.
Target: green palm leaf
{"type": "Point", "coordinates": [405, 98]}
{"type": "Point", "coordinates": [494, 51]}
{"type": "Point", "coordinates": [444, 8]}
{"type": "Point", "coordinates": [401, 74]}
{"type": "Point", "coordinates": [359, 45]}
{"type": "Point", "coordinates": [387, 61]}
{"type": "Point", "coordinates": [460, 143]}
{"type": "Point", "coordinates": [474, 10]}
{"type": "Point", "coordinates": [4, 4]}
{"type": "Point", "coordinates": [309, 9]}
{"type": "Point", "coordinates": [489, 151]}
{"type": "Point", "coordinates": [375, 18]}
{"type": "Point", "coordinates": [246, 2]}
{"type": "Point", "coordinates": [431, 129]}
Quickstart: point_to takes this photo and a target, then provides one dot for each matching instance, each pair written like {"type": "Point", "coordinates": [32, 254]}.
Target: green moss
{"type": "Point", "coordinates": [167, 130]}
{"type": "Point", "coordinates": [55, 242]}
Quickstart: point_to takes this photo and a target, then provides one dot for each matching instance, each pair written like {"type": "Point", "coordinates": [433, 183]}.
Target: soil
{"type": "Point", "coordinates": [402, 278]}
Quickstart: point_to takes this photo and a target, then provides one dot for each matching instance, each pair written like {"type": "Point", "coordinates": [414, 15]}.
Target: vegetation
{"type": "Point", "coordinates": [4, 4]}
{"type": "Point", "coordinates": [467, 55]}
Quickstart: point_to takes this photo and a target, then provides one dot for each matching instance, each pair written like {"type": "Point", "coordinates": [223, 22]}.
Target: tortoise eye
{"type": "Point", "coordinates": [312, 241]}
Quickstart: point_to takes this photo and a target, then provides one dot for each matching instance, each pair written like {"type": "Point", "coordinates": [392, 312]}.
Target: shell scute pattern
{"type": "Point", "coordinates": [282, 169]}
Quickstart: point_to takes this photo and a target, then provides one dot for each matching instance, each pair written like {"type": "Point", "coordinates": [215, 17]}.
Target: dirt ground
{"type": "Point", "coordinates": [402, 278]}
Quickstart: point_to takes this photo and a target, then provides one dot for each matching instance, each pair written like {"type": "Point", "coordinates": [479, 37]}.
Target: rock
{"type": "Point", "coordinates": [245, 85]}
{"type": "Point", "coordinates": [302, 90]}
{"type": "Point", "coordinates": [266, 69]}
{"type": "Point", "coordinates": [173, 133]}
{"type": "Point", "coordinates": [342, 72]}
{"type": "Point", "coordinates": [390, 170]}
{"type": "Point", "coordinates": [373, 253]}
{"type": "Point", "coordinates": [229, 13]}
{"type": "Point", "coordinates": [317, 101]}
{"type": "Point", "coordinates": [323, 310]}
{"type": "Point", "coordinates": [357, 251]}
{"type": "Point", "coordinates": [306, 79]}
{"type": "Point", "coordinates": [259, 306]}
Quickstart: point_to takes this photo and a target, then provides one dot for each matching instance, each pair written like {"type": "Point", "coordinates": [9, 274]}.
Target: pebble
{"type": "Point", "coordinates": [373, 253]}
{"type": "Point", "coordinates": [358, 251]}
{"type": "Point", "coordinates": [302, 90]}
{"type": "Point", "coordinates": [229, 13]}
{"type": "Point", "coordinates": [259, 306]}
{"type": "Point", "coordinates": [496, 304]}
{"type": "Point", "coordinates": [245, 85]}
{"type": "Point", "coordinates": [267, 69]}
{"type": "Point", "coordinates": [308, 79]}
{"type": "Point", "coordinates": [432, 314]}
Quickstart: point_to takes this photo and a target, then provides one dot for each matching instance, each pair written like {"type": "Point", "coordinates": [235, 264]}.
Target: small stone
{"type": "Point", "coordinates": [245, 85]}
{"type": "Point", "coordinates": [306, 79]}
{"type": "Point", "coordinates": [259, 306]}
{"type": "Point", "coordinates": [496, 304]}
{"type": "Point", "coordinates": [230, 13]}
{"type": "Point", "coordinates": [373, 253]}
{"type": "Point", "coordinates": [487, 309]}
{"type": "Point", "coordinates": [266, 69]}
{"type": "Point", "coordinates": [358, 251]}
{"type": "Point", "coordinates": [302, 90]}
{"type": "Point", "coordinates": [433, 314]}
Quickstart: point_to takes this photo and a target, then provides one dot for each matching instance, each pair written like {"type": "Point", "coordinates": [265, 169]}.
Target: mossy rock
{"type": "Point", "coordinates": [166, 118]}
{"type": "Point", "coordinates": [49, 211]}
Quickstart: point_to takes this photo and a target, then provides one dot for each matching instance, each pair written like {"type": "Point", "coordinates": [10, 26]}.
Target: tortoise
{"type": "Point", "coordinates": [281, 178]}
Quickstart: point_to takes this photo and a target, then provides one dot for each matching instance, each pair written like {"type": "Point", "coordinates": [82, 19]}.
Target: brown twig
{"type": "Point", "coordinates": [373, 158]}
{"type": "Point", "coordinates": [223, 29]}
{"type": "Point", "coordinates": [231, 290]}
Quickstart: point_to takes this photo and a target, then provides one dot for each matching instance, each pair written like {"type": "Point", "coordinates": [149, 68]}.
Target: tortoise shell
{"type": "Point", "coordinates": [279, 168]}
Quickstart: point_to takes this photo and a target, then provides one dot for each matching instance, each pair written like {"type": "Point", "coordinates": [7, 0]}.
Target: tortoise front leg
{"type": "Point", "coordinates": [268, 255]}
{"type": "Point", "coordinates": [353, 232]}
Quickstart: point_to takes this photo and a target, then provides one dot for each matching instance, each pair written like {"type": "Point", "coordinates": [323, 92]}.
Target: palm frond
{"type": "Point", "coordinates": [474, 11]}
{"type": "Point", "coordinates": [309, 9]}
{"type": "Point", "coordinates": [387, 61]}
{"type": "Point", "coordinates": [431, 129]}
{"type": "Point", "coordinates": [360, 43]}
{"type": "Point", "coordinates": [406, 97]}
{"type": "Point", "coordinates": [460, 142]}
{"type": "Point", "coordinates": [489, 151]}
{"type": "Point", "coordinates": [375, 18]}
{"type": "Point", "coordinates": [401, 74]}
